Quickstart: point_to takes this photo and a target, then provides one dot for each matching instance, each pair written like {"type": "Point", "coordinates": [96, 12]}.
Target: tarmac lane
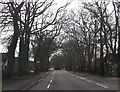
{"type": "Point", "coordinates": [63, 80]}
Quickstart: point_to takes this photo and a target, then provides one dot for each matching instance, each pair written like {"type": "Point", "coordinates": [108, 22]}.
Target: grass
{"type": "Point", "coordinates": [90, 74]}
{"type": "Point", "coordinates": [41, 72]}
{"type": "Point", "coordinates": [14, 79]}
{"type": "Point", "coordinates": [104, 76]}
{"type": "Point", "coordinates": [22, 77]}
{"type": "Point", "coordinates": [5, 84]}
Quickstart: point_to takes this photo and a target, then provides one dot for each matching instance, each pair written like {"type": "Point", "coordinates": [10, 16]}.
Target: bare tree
{"type": "Point", "coordinates": [13, 14]}
{"type": "Point", "coordinates": [46, 34]}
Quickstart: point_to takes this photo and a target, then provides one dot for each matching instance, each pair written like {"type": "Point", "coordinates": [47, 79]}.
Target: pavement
{"type": "Point", "coordinates": [64, 80]}
{"type": "Point", "coordinates": [25, 84]}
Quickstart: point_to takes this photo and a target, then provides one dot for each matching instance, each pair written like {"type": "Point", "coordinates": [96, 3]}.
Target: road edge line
{"type": "Point", "coordinates": [33, 83]}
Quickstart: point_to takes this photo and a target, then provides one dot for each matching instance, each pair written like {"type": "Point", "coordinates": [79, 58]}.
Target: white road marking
{"type": "Point", "coordinates": [101, 85]}
{"type": "Point", "coordinates": [85, 79]}
{"type": "Point", "coordinates": [51, 81]}
{"type": "Point", "coordinates": [82, 78]}
{"type": "Point", "coordinates": [89, 81]}
{"type": "Point", "coordinates": [48, 86]}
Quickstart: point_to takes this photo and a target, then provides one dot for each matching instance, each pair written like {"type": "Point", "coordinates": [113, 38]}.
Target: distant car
{"type": "Point", "coordinates": [31, 71]}
{"type": "Point", "coordinates": [51, 69]}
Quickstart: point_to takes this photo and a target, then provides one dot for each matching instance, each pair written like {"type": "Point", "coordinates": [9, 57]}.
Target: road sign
{"type": "Point", "coordinates": [37, 61]}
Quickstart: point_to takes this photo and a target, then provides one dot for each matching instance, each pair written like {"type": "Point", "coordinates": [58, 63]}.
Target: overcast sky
{"type": "Point", "coordinates": [74, 5]}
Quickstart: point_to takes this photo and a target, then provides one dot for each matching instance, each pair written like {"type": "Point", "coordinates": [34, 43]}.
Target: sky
{"type": "Point", "coordinates": [74, 5]}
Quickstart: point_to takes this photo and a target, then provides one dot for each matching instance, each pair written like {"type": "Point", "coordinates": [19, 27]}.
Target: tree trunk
{"type": "Point", "coordinates": [12, 47]}
{"type": "Point", "coordinates": [89, 60]}
{"type": "Point", "coordinates": [21, 62]}
{"type": "Point", "coordinates": [95, 64]}
{"type": "Point", "coordinates": [118, 67]}
{"type": "Point", "coordinates": [101, 53]}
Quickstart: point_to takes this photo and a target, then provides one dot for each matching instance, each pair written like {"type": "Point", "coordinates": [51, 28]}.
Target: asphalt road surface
{"type": "Point", "coordinates": [63, 80]}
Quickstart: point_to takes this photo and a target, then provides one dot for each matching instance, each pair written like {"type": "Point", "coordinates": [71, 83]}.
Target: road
{"type": "Point", "coordinates": [63, 80]}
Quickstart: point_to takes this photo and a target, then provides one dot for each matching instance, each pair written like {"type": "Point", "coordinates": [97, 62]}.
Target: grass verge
{"type": "Point", "coordinates": [14, 79]}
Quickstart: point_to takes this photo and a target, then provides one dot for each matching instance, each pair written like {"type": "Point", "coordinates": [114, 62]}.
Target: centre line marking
{"type": "Point", "coordinates": [101, 85]}
{"type": "Point", "coordinates": [51, 81]}
{"type": "Point", "coordinates": [48, 86]}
